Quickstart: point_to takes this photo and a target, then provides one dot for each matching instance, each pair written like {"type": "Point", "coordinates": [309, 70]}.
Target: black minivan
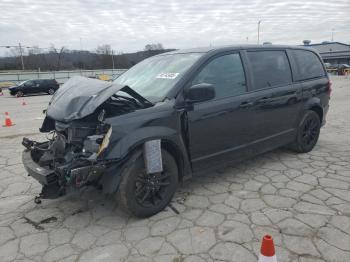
{"type": "Point", "coordinates": [48, 86]}
{"type": "Point", "coordinates": [174, 114]}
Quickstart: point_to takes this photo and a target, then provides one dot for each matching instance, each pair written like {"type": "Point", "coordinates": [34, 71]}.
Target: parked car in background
{"type": "Point", "coordinates": [174, 114]}
{"type": "Point", "coordinates": [339, 68]}
{"type": "Point", "coordinates": [344, 66]}
{"type": "Point", "coordinates": [48, 86]}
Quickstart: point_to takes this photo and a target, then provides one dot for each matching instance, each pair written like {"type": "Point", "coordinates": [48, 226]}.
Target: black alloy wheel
{"type": "Point", "coordinates": [307, 133]}
{"type": "Point", "coordinates": [310, 131]}
{"type": "Point", "coordinates": [144, 194]}
{"type": "Point", "coordinates": [150, 189]}
{"type": "Point", "coordinates": [51, 91]}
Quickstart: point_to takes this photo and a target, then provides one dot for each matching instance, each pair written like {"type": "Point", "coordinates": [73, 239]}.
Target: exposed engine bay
{"type": "Point", "coordinates": [72, 156]}
{"type": "Point", "coordinates": [71, 152]}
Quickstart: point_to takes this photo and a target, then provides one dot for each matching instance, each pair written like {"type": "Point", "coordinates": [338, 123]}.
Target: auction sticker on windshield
{"type": "Point", "coordinates": [167, 75]}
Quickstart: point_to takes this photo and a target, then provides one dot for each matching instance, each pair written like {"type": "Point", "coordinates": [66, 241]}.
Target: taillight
{"type": "Point", "coordinates": [329, 87]}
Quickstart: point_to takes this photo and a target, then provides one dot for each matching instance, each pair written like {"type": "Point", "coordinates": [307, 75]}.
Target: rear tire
{"type": "Point", "coordinates": [308, 133]}
{"type": "Point", "coordinates": [51, 91]}
{"type": "Point", "coordinates": [144, 195]}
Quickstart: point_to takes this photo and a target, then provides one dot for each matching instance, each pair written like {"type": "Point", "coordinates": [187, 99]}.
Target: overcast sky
{"type": "Point", "coordinates": [131, 24]}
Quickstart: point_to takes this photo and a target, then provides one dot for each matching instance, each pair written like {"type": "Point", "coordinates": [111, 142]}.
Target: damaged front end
{"type": "Point", "coordinates": [77, 135]}
{"type": "Point", "coordinates": [69, 159]}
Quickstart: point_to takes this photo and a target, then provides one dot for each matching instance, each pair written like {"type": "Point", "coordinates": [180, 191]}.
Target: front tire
{"type": "Point", "coordinates": [308, 133]}
{"type": "Point", "coordinates": [144, 195]}
{"type": "Point", "coordinates": [51, 91]}
{"type": "Point", "coordinates": [19, 94]}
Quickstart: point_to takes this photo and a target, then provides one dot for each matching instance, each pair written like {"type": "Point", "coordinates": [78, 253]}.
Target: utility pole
{"type": "Point", "coordinates": [259, 31]}
{"type": "Point", "coordinates": [332, 34]}
{"type": "Point", "coordinates": [80, 54]}
{"type": "Point", "coordinates": [112, 52]}
{"type": "Point", "coordinates": [20, 51]}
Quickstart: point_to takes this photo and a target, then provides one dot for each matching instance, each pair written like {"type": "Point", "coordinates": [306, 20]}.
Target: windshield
{"type": "Point", "coordinates": [21, 83]}
{"type": "Point", "coordinates": [154, 77]}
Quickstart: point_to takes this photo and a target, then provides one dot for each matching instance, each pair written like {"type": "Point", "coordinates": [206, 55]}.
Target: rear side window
{"type": "Point", "coordinates": [226, 74]}
{"type": "Point", "coordinates": [269, 68]}
{"type": "Point", "coordinates": [308, 65]}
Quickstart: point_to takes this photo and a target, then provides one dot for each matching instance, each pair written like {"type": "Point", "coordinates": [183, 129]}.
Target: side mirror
{"type": "Point", "coordinates": [200, 92]}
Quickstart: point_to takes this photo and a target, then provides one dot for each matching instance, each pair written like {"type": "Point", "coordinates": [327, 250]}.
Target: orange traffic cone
{"type": "Point", "coordinates": [24, 103]}
{"type": "Point", "coordinates": [8, 121]}
{"type": "Point", "coordinates": [267, 252]}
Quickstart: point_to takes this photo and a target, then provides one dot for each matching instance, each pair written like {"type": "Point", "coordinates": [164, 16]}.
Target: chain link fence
{"type": "Point", "coordinates": [11, 78]}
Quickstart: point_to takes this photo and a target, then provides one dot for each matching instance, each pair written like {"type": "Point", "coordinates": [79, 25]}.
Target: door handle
{"type": "Point", "coordinates": [264, 100]}
{"type": "Point", "coordinates": [216, 114]}
{"type": "Point", "coordinates": [246, 104]}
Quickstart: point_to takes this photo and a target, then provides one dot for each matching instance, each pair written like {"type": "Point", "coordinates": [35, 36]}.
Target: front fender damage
{"type": "Point", "coordinates": [92, 145]}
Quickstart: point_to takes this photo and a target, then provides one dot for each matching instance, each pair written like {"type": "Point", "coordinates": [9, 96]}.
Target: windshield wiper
{"type": "Point", "coordinates": [137, 96]}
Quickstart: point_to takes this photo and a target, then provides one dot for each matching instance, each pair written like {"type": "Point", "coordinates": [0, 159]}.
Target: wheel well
{"type": "Point", "coordinates": [175, 152]}
{"type": "Point", "coordinates": [319, 111]}
{"type": "Point", "coordinates": [171, 149]}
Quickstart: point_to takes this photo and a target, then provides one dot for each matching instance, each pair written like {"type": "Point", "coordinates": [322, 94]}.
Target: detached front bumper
{"type": "Point", "coordinates": [43, 175]}
{"type": "Point", "coordinates": [46, 177]}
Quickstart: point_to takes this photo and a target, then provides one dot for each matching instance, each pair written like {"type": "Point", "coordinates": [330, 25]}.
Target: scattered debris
{"type": "Point", "coordinates": [181, 197]}
{"type": "Point", "coordinates": [37, 225]}
{"type": "Point", "coordinates": [33, 223]}
{"type": "Point", "coordinates": [48, 220]}
{"type": "Point", "coordinates": [77, 212]}
{"type": "Point", "coordinates": [173, 209]}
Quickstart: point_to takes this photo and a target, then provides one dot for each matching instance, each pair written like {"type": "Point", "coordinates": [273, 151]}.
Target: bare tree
{"type": "Point", "coordinates": [62, 58]}
{"type": "Point", "coordinates": [104, 50]}
{"type": "Point", "coordinates": [104, 56]}
{"type": "Point", "coordinates": [152, 47]}
{"type": "Point", "coordinates": [59, 53]}
{"type": "Point", "coordinates": [160, 46]}
{"type": "Point", "coordinates": [34, 50]}
{"type": "Point", "coordinates": [16, 53]}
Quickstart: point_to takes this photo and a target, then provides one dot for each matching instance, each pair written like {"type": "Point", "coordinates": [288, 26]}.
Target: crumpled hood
{"type": "Point", "coordinates": [79, 97]}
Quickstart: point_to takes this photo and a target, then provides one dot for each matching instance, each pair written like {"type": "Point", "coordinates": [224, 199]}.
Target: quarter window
{"type": "Point", "coordinates": [308, 64]}
{"type": "Point", "coordinates": [226, 74]}
{"type": "Point", "coordinates": [29, 83]}
{"type": "Point", "coordinates": [269, 68]}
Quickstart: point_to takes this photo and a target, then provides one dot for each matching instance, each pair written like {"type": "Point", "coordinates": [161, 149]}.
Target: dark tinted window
{"type": "Point", "coordinates": [308, 64]}
{"type": "Point", "coordinates": [29, 83]}
{"type": "Point", "coordinates": [37, 83]}
{"type": "Point", "coordinates": [226, 74]}
{"type": "Point", "coordinates": [270, 68]}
